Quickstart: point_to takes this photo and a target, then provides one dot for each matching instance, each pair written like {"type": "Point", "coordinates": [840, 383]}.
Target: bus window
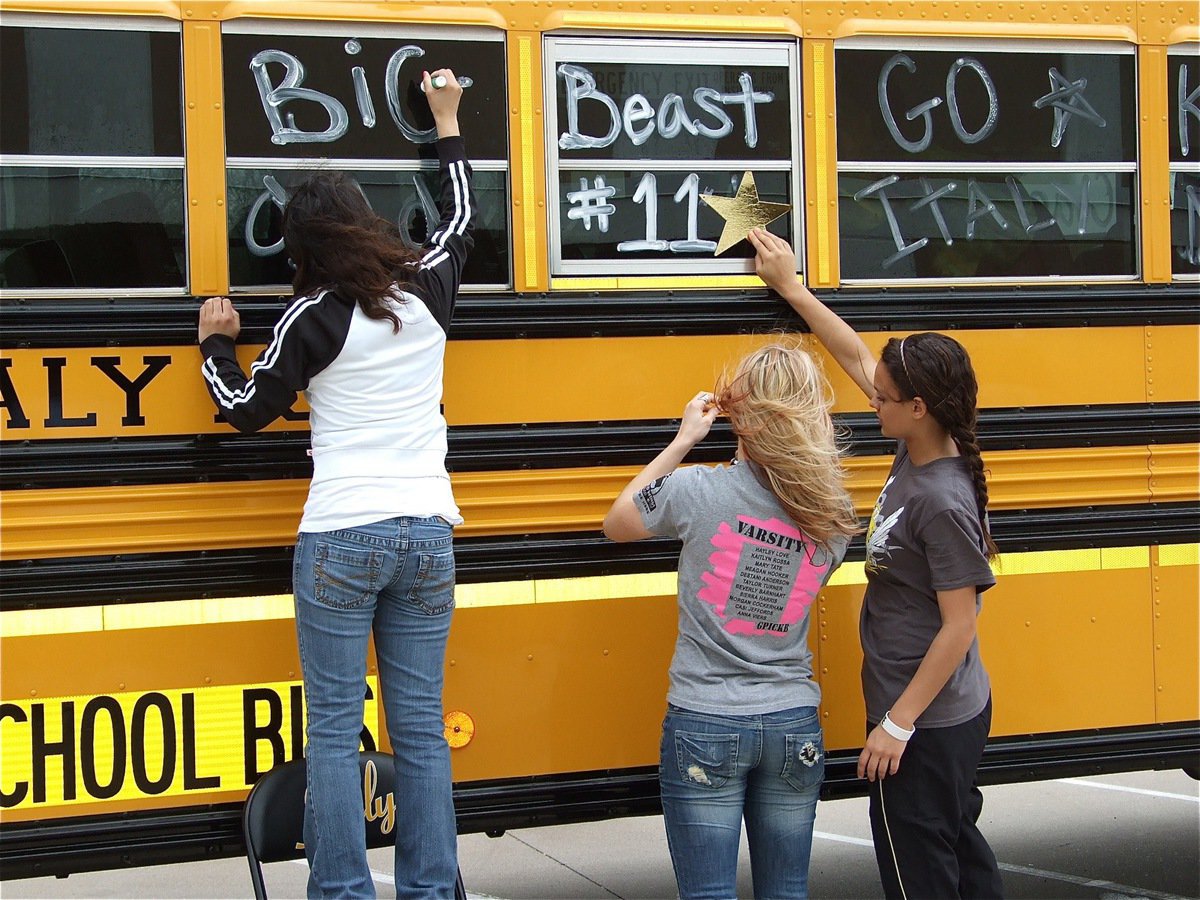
{"type": "Point", "coordinates": [642, 129]}
{"type": "Point", "coordinates": [973, 161]}
{"type": "Point", "coordinates": [92, 147]}
{"type": "Point", "coordinates": [346, 97]}
{"type": "Point", "coordinates": [1183, 91]}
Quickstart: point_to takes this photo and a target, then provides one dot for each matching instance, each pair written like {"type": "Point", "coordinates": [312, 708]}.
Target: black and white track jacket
{"type": "Point", "coordinates": [378, 435]}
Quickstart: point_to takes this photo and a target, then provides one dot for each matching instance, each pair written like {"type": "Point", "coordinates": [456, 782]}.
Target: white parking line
{"type": "Point", "coordinates": [844, 839]}
{"type": "Point", "coordinates": [1030, 870]}
{"type": "Point", "coordinates": [1083, 782]}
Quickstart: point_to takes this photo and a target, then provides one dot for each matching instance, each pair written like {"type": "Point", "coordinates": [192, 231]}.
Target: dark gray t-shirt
{"type": "Point", "coordinates": [747, 577]}
{"type": "Point", "coordinates": [924, 537]}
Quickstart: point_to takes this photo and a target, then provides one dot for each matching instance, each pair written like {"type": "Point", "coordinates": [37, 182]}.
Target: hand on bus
{"type": "Point", "coordinates": [881, 756]}
{"type": "Point", "coordinates": [698, 417]}
{"type": "Point", "coordinates": [775, 262]}
{"type": "Point", "coordinates": [443, 101]}
{"type": "Point", "coordinates": [217, 316]}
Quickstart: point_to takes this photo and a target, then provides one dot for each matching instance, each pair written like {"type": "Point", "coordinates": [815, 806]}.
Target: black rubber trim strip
{"type": "Point", "coordinates": [84, 462]}
{"type": "Point", "coordinates": [83, 581]}
{"type": "Point", "coordinates": [93, 843]}
{"type": "Point", "coordinates": [46, 322]}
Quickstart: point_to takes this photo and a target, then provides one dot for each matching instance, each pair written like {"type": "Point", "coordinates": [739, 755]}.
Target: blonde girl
{"type": "Point", "coordinates": [761, 536]}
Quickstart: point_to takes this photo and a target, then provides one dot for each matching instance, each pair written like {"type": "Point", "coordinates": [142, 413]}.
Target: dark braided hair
{"type": "Point", "coordinates": [337, 241]}
{"type": "Point", "coordinates": [936, 368]}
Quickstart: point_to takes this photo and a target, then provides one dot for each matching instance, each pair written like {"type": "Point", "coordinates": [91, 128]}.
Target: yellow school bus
{"type": "Point", "coordinates": [1024, 174]}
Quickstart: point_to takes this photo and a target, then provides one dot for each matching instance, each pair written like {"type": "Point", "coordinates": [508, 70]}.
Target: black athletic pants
{"type": "Point", "coordinates": [923, 818]}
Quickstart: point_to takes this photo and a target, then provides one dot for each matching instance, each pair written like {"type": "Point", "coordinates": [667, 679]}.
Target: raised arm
{"type": "Point", "coordinates": [624, 522]}
{"type": "Point", "coordinates": [439, 273]}
{"type": "Point", "coordinates": [776, 265]}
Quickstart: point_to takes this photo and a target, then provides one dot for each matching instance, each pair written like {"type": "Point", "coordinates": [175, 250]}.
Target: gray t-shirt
{"type": "Point", "coordinates": [924, 537]}
{"type": "Point", "coordinates": [747, 578]}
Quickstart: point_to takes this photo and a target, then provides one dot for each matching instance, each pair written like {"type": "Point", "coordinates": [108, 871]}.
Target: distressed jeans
{"type": "Point", "coordinates": [395, 578]}
{"type": "Point", "coordinates": [717, 770]}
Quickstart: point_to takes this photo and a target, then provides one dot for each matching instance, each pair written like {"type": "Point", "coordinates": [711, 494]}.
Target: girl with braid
{"type": "Point", "coordinates": [927, 694]}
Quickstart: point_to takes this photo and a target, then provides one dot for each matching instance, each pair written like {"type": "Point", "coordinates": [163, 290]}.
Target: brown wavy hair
{"type": "Point", "coordinates": [778, 402]}
{"type": "Point", "coordinates": [937, 369]}
{"type": "Point", "coordinates": [336, 241]}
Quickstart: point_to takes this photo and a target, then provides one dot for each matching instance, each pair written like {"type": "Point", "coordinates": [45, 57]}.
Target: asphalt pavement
{"type": "Point", "coordinates": [1117, 837]}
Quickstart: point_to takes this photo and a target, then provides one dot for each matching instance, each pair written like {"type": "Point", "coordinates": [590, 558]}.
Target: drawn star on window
{"type": "Point", "coordinates": [1066, 97]}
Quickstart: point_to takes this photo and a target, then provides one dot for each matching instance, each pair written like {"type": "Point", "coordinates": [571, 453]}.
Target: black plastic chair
{"type": "Point", "coordinates": [273, 817]}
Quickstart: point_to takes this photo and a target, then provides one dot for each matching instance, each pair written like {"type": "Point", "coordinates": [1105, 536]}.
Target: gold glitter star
{"type": "Point", "coordinates": [742, 212]}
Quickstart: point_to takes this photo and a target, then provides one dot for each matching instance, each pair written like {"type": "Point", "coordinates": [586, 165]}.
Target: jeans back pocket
{"type": "Point", "coordinates": [804, 763]}
{"type": "Point", "coordinates": [433, 587]}
{"type": "Point", "coordinates": [345, 577]}
{"type": "Point", "coordinates": [706, 760]}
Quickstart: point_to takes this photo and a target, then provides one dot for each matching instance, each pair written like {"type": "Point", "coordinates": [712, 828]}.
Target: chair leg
{"type": "Point", "coordinates": [256, 878]}
{"type": "Point", "coordinates": [460, 890]}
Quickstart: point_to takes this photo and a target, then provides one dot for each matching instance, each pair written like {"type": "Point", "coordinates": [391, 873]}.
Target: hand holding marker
{"type": "Point", "coordinates": [438, 82]}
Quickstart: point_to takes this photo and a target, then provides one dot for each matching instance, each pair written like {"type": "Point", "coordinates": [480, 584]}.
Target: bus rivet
{"type": "Point", "coordinates": [208, 679]}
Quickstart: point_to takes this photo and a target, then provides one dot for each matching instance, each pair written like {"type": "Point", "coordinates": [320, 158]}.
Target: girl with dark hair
{"type": "Point", "coordinates": [364, 338]}
{"type": "Point", "coordinates": [927, 694]}
{"type": "Point", "coordinates": [741, 738]}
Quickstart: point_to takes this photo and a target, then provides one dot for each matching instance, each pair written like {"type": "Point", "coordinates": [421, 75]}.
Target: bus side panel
{"type": "Point", "coordinates": [1038, 633]}
{"type": "Point", "coordinates": [1176, 633]}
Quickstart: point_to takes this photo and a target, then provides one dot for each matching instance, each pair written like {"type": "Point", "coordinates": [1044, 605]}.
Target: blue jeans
{"type": "Point", "coordinates": [397, 578]}
{"type": "Point", "coordinates": [717, 769]}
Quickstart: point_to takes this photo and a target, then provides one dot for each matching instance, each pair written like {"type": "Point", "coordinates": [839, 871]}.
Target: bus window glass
{"type": "Point", "coordinates": [642, 131]}
{"type": "Point", "coordinates": [680, 216]}
{"type": "Point", "coordinates": [92, 173]}
{"type": "Point", "coordinates": [977, 162]}
{"type": "Point", "coordinates": [408, 198]}
{"type": "Point", "coordinates": [347, 97]}
{"type": "Point", "coordinates": [1183, 93]}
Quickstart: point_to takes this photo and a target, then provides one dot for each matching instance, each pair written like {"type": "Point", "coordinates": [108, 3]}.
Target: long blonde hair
{"type": "Point", "coordinates": [778, 402]}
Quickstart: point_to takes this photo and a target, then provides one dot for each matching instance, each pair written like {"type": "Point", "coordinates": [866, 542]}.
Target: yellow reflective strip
{"type": "Point", "coordinates": [820, 143]}
{"type": "Point", "coordinates": [607, 587]}
{"type": "Point", "coordinates": [127, 732]}
{"type": "Point", "coordinates": [501, 593]}
{"type": "Point", "coordinates": [27, 623]}
{"type": "Point", "coordinates": [848, 573]}
{"type": "Point", "coordinates": [585, 284]}
{"type": "Point", "coordinates": [682, 282]}
{"type": "Point", "coordinates": [208, 611]}
{"type": "Point", "coordinates": [528, 199]}
{"type": "Point", "coordinates": [1125, 558]}
{"type": "Point", "coordinates": [1179, 555]}
{"type": "Point", "coordinates": [1044, 561]}
{"type": "Point", "coordinates": [160, 614]}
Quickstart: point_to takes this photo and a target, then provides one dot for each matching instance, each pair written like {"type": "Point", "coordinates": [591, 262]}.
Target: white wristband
{"type": "Point", "coordinates": [900, 734]}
